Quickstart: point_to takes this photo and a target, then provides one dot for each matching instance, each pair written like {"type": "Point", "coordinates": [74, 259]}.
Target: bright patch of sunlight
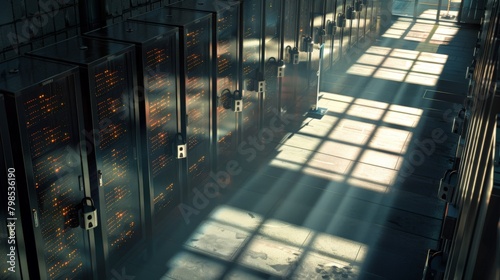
{"type": "Point", "coordinates": [371, 59]}
{"type": "Point", "coordinates": [379, 50]}
{"type": "Point", "coordinates": [382, 159]}
{"type": "Point", "coordinates": [406, 109]}
{"type": "Point", "coordinates": [374, 174]}
{"type": "Point", "coordinates": [402, 53]}
{"type": "Point", "coordinates": [366, 112]}
{"type": "Point", "coordinates": [429, 14]}
{"type": "Point", "coordinates": [274, 247]}
{"type": "Point", "coordinates": [237, 218]}
{"type": "Point", "coordinates": [400, 65]}
{"type": "Point", "coordinates": [401, 119]}
{"type": "Point", "coordinates": [390, 74]}
{"type": "Point", "coordinates": [388, 143]}
{"type": "Point", "coordinates": [361, 70]}
{"type": "Point", "coordinates": [422, 79]}
{"type": "Point", "coordinates": [371, 103]}
{"type": "Point", "coordinates": [346, 249]}
{"type": "Point", "coordinates": [397, 63]}
{"type": "Point", "coordinates": [364, 144]}
{"type": "Point", "coordinates": [433, 57]}
{"type": "Point", "coordinates": [337, 97]}
{"type": "Point", "coordinates": [422, 30]}
{"type": "Point", "coordinates": [349, 132]}
{"type": "Point", "coordinates": [427, 67]}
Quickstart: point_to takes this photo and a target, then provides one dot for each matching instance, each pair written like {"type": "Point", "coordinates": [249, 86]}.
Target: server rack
{"type": "Point", "coordinates": [109, 97]}
{"type": "Point", "coordinates": [291, 44]}
{"type": "Point", "coordinates": [330, 27]}
{"type": "Point", "coordinates": [226, 31]}
{"type": "Point", "coordinates": [252, 76]}
{"type": "Point", "coordinates": [195, 52]}
{"type": "Point", "coordinates": [315, 66]}
{"type": "Point", "coordinates": [273, 58]}
{"type": "Point", "coordinates": [304, 72]}
{"type": "Point", "coordinates": [345, 27]}
{"type": "Point", "coordinates": [158, 71]}
{"type": "Point", "coordinates": [44, 117]}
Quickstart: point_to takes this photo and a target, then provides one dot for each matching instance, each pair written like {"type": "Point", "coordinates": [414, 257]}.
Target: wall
{"type": "Point", "coordinates": [26, 25]}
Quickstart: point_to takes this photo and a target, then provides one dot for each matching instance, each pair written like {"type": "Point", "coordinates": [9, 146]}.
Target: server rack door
{"type": "Point", "coordinates": [368, 8]}
{"type": "Point", "coordinates": [115, 145]}
{"type": "Point", "coordinates": [112, 130]}
{"type": "Point", "coordinates": [198, 82]}
{"type": "Point", "coordinates": [195, 36]}
{"type": "Point", "coordinates": [50, 171]}
{"type": "Point", "coordinates": [290, 37]}
{"type": "Point", "coordinates": [227, 79]}
{"type": "Point", "coordinates": [160, 64]}
{"type": "Point", "coordinates": [272, 56]}
{"type": "Point", "coordinates": [318, 21]}
{"type": "Point", "coordinates": [252, 60]}
{"type": "Point", "coordinates": [304, 70]}
{"type": "Point", "coordinates": [226, 69]}
{"type": "Point", "coordinates": [329, 38]}
{"type": "Point", "coordinates": [11, 230]}
{"type": "Point", "coordinates": [156, 50]}
{"type": "Point", "coordinates": [353, 24]}
{"type": "Point", "coordinates": [346, 29]}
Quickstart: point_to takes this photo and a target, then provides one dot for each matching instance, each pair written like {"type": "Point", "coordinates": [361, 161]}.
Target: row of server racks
{"type": "Point", "coordinates": [104, 134]}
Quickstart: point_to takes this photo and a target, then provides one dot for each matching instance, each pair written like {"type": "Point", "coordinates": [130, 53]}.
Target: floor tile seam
{"type": "Point", "coordinates": [357, 161]}
{"type": "Point", "coordinates": [410, 233]}
{"type": "Point", "coordinates": [362, 146]}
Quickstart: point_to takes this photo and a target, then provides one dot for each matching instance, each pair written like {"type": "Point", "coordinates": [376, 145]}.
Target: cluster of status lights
{"type": "Point", "coordinates": [163, 198]}
{"type": "Point", "coordinates": [43, 106]}
{"type": "Point", "coordinates": [107, 80]}
{"type": "Point", "coordinates": [160, 123]}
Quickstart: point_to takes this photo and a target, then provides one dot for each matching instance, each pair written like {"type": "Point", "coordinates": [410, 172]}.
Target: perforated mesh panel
{"type": "Point", "coordinates": [252, 31]}
{"type": "Point", "coordinates": [160, 83]}
{"type": "Point", "coordinates": [115, 155]}
{"type": "Point", "coordinates": [198, 100]}
{"type": "Point", "coordinates": [227, 71]}
{"type": "Point", "coordinates": [51, 133]}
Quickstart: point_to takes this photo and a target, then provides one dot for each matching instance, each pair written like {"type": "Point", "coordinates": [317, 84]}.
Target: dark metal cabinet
{"type": "Point", "coordinates": [43, 113]}
{"type": "Point", "coordinates": [290, 41]}
{"type": "Point", "coordinates": [331, 29]}
{"type": "Point", "coordinates": [156, 51]}
{"type": "Point", "coordinates": [252, 56]}
{"type": "Point", "coordinates": [195, 53]}
{"type": "Point", "coordinates": [272, 57]}
{"type": "Point", "coordinates": [111, 131]}
{"type": "Point", "coordinates": [226, 69]}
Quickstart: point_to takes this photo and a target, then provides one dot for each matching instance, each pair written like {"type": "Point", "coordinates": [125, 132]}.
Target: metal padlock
{"type": "Point", "coordinates": [88, 214]}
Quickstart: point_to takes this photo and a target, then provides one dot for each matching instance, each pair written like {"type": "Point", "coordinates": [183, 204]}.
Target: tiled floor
{"type": "Point", "coordinates": [348, 196]}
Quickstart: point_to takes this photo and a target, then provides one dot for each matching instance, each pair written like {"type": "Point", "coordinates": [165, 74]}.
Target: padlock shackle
{"type": "Point", "coordinates": [446, 173]}
{"type": "Point", "coordinates": [452, 173]}
{"type": "Point", "coordinates": [449, 173]}
{"type": "Point", "coordinates": [85, 199]}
